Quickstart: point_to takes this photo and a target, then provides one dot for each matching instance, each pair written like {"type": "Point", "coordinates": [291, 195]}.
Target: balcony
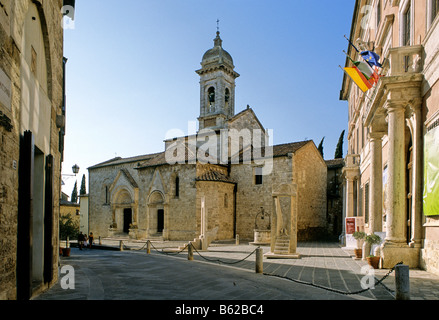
{"type": "Point", "coordinates": [352, 161]}
{"type": "Point", "coordinates": [403, 73]}
{"type": "Point", "coordinates": [406, 60]}
{"type": "Point", "coordinates": [352, 166]}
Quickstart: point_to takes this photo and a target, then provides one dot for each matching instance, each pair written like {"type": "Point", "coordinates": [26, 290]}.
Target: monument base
{"type": "Point", "coordinates": [393, 253]}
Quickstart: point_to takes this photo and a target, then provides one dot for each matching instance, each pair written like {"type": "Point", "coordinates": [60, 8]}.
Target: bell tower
{"type": "Point", "coordinates": [217, 87]}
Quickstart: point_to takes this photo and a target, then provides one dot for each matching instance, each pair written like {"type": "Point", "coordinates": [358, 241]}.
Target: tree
{"type": "Point", "coordinates": [68, 227]}
{"type": "Point", "coordinates": [75, 193]}
{"type": "Point", "coordinates": [339, 149]}
{"type": "Point", "coordinates": [83, 190]}
{"type": "Point", "coordinates": [320, 148]}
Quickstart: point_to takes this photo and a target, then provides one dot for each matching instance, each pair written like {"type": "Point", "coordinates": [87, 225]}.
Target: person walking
{"type": "Point", "coordinates": [81, 240]}
{"type": "Point", "coordinates": [90, 239]}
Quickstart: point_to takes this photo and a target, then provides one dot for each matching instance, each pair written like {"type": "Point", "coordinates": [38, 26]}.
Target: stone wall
{"type": "Point", "coordinates": [310, 175]}
{"type": "Point", "coordinates": [14, 28]}
{"type": "Point", "coordinates": [307, 169]}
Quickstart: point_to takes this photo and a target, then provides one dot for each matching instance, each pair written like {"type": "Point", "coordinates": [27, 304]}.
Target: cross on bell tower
{"type": "Point", "coordinates": [217, 86]}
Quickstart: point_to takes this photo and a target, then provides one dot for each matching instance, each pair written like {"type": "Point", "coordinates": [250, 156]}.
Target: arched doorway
{"type": "Point", "coordinates": [123, 213]}
{"type": "Point", "coordinates": [156, 213]}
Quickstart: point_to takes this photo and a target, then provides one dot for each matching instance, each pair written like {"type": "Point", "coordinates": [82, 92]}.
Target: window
{"type": "Point", "coordinates": [432, 12]}
{"type": "Point", "coordinates": [378, 13]}
{"type": "Point", "coordinates": [211, 97]}
{"type": "Point", "coordinates": [107, 195]}
{"type": "Point", "coordinates": [258, 175]}
{"type": "Point", "coordinates": [407, 26]}
{"type": "Point", "coordinates": [177, 187]}
{"type": "Point", "coordinates": [434, 9]}
{"type": "Point", "coordinates": [226, 200]}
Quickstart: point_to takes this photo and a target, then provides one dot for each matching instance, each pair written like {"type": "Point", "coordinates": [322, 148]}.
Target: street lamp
{"type": "Point", "coordinates": [75, 169]}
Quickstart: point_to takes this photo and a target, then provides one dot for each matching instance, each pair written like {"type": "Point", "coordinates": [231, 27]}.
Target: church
{"type": "Point", "coordinates": [219, 180]}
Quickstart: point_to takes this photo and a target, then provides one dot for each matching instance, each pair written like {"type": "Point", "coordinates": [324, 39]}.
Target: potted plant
{"type": "Point", "coordinates": [67, 229]}
{"type": "Point", "coordinates": [373, 260]}
{"type": "Point", "coordinates": [359, 236]}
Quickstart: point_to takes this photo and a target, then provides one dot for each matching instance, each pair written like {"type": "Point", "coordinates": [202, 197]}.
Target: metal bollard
{"type": "Point", "coordinates": [237, 240]}
{"type": "Point", "coordinates": [100, 241]}
{"type": "Point", "coordinates": [259, 260]}
{"type": "Point", "coordinates": [190, 252]}
{"type": "Point", "coordinates": [121, 245]}
{"type": "Point", "coordinates": [402, 282]}
{"type": "Point", "coordinates": [148, 247]}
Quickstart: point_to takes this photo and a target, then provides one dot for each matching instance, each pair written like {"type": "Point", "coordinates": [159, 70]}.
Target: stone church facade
{"type": "Point", "coordinates": [218, 180]}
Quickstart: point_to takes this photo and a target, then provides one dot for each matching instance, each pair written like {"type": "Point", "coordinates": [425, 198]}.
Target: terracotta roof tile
{"type": "Point", "coordinates": [213, 175]}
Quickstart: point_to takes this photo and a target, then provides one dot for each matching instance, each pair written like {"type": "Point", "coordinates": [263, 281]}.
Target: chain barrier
{"type": "Point", "coordinates": [169, 253]}
{"type": "Point", "coordinates": [377, 282]}
{"type": "Point", "coordinates": [134, 249]}
{"type": "Point", "coordinates": [146, 243]}
{"type": "Point", "coordinates": [221, 261]}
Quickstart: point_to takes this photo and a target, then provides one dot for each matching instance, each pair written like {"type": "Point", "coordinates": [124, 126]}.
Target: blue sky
{"type": "Point", "coordinates": [131, 71]}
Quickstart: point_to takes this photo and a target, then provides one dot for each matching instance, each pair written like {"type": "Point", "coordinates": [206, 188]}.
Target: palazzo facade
{"type": "Point", "coordinates": [387, 175]}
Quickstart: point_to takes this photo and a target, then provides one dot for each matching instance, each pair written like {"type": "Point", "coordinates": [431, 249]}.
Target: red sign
{"type": "Point", "coordinates": [350, 225]}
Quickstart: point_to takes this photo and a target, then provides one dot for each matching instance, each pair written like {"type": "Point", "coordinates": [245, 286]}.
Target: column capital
{"type": "Point", "coordinates": [395, 106]}
{"type": "Point", "coordinates": [376, 135]}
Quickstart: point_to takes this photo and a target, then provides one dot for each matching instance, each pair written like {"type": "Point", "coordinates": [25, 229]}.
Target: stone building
{"type": "Point", "coordinates": [335, 198]}
{"type": "Point", "coordinates": [31, 125]}
{"type": "Point", "coordinates": [392, 130]}
{"type": "Point", "coordinates": [215, 181]}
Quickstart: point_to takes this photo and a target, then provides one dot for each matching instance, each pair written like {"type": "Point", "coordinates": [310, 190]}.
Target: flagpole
{"type": "Point", "coordinates": [351, 44]}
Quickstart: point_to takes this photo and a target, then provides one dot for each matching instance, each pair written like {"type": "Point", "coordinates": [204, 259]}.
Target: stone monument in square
{"type": "Point", "coordinates": [284, 223]}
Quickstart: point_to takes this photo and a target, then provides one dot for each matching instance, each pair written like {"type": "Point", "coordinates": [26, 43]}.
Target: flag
{"type": "Point", "coordinates": [358, 77]}
{"type": "Point", "coordinates": [365, 68]}
{"type": "Point", "coordinates": [370, 72]}
{"type": "Point", "coordinates": [371, 58]}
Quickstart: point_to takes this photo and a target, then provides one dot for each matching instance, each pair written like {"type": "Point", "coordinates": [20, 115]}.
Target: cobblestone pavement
{"type": "Point", "coordinates": [226, 272]}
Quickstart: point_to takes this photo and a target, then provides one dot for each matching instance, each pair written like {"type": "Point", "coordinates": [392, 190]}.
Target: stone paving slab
{"type": "Point", "coordinates": [226, 272]}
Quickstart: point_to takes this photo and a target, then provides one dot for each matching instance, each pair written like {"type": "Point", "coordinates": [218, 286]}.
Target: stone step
{"type": "Point", "coordinates": [282, 246]}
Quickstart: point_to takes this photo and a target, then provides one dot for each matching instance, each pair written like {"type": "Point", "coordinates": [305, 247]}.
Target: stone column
{"type": "Point", "coordinates": [396, 201]}
{"type": "Point", "coordinates": [376, 183]}
{"type": "Point", "coordinates": [349, 197]}
{"type": "Point", "coordinates": [417, 185]}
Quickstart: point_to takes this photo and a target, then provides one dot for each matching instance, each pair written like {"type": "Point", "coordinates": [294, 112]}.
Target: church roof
{"type": "Point", "coordinates": [217, 53]}
{"type": "Point", "coordinates": [159, 159]}
{"type": "Point", "coordinates": [287, 148]}
{"type": "Point", "coordinates": [120, 161]}
{"type": "Point", "coordinates": [213, 175]}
